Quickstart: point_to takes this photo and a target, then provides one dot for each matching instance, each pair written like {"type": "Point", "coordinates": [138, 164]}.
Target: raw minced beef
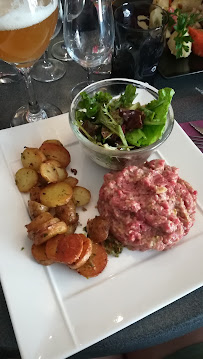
{"type": "Point", "coordinates": [150, 206]}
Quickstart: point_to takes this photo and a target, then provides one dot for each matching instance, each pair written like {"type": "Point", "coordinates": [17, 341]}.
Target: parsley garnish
{"type": "Point", "coordinates": [184, 20]}
{"type": "Point", "coordinates": [113, 246]}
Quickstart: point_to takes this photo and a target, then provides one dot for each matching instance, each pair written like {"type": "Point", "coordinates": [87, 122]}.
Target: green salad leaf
{"type": "Point", "coordinates": [126, 99]}
{"type": "Point", "coordinates": [107, 120]}
{"type": "Point", "coordinates": [154, 122]}
{"type": "Point", "coordinates": [100, 118]}
{"type": "Point", "coordinates": [90, 104]}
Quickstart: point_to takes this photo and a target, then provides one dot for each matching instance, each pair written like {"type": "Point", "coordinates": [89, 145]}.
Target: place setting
{"type": "Point", "coordinates": [108, 194]}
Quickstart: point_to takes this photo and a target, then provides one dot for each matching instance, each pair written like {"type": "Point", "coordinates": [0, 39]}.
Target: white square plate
{"type": "Point", "coordinates": [56, 312]}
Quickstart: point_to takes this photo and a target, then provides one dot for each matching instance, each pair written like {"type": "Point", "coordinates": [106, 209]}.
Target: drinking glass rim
{"type": "Point", "coordinates": [140, 30]}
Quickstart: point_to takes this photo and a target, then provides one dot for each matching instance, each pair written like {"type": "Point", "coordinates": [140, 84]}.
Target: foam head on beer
{"type": "Point", "coordinates": [26, 27]}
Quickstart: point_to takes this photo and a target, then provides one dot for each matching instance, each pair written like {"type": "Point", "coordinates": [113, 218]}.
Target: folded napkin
{"type": "Point", "coordinates": [190, 130]}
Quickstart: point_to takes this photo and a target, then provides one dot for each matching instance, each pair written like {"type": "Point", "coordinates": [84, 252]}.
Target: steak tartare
{"type": "Point", "coordinates": [149, 207]}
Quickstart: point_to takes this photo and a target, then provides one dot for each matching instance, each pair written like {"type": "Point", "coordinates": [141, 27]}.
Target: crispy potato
{"type": "Point", "coordinates": [52, 171]}
{"type": "Point", "coordinates": [67, 213]}
{"type": "Point", "coordinates": [72, 181]}
{"type": "Point", "coordinates": [85, 255]}
{"type": "Point", "coordinates": [41, 181]}
{"type": "Point", "coordinates": [98, 229]}
{"type": "Point", "coordinates": [62, 173]}
{"type": "Point", "coordinates": [81, 196]}
{"type": "Point", "coordinates": [51, 247]}
{"type": "Point", "coordinates": [25, 179]}
{"type": "Point", "coordinates": [42, 227]}
{"type": "Point", "coordinates": [39, 220]}
{"type": "Point", "coordinates": [36, 208]}
{"type": "Point", "coordinates": [96, 263]}
{"type": "Point", "coordinates": [51, 231]}
{"type": "Point", "coordinates": [72, 227]}
{"type": "Point", "coordinates": [48, 171]}
{"type": "Point", "coordinates": [35, 193]}
{"type": "Point", "coordinates": [39, 254]}
{"type": "Point", "coordinates": [32, 158]}
{"type": "Point", "coordinates": [57, 142]}
{"type": "Point", "coordinates": [56, 194]}
{"type": "Point", "coordinates": [56, 152]}
{"type": "Point", "coordinates": [69, 248]}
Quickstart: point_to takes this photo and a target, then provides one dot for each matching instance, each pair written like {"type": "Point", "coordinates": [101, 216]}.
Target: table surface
{"type": "Point", "coordinates": [174, 320]}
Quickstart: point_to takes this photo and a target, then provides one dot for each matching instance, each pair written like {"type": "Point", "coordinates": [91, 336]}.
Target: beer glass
{"type": "Point", "coordinates": [47, 69]}
{"type": "Point", "coordinates": [88, 34]}
{"type": "Point", "coordinates": [26, 27]}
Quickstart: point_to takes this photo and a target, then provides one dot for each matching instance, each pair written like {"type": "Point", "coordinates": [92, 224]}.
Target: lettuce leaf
{"type": "Point", "coordinates": [125, 100]}
{"type": "Point", "coordinates": [159, 107]}
{"type": "Point", "coordinates": [107, 120]}
{"type": "Point", "coordinates": [154, 122]}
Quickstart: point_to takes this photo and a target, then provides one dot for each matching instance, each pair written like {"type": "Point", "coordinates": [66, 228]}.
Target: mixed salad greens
{"type": "Point", "coordinates": [119, 123]}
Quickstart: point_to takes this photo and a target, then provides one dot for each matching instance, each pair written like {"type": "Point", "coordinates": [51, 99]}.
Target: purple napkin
{"type": "Point", "coordinates": [190, 130]}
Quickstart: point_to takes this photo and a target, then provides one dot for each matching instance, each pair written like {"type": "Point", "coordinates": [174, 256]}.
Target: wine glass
{"type": "Point", "coordinates": [26, 27]}
{"type": "Point", "coordinates": [47, 69]}
{"type": "Point", "coordinates": [58, 50]}
{"type": "Point", "coordinates": [88, 34]}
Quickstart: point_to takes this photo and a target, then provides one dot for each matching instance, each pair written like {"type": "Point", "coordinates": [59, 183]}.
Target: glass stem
{"type": "Point", "coordinates": [46, 62]}
{"type": "Point", "coordinates": [34, 112]}
{"type": "Point", "coordinates": [33, 104]}
{"type": "Point", "coordinates": [89, 76]}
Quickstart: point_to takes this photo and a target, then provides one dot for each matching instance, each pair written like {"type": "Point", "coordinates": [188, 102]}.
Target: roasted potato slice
{"type": "Point", "coordinates": [56, 152]}
{"type": "Point", "coordinates": [36, 208]}
{"type": "Point", "coordinates": [98, 229]}
{"type": "Point", "coordinates": [62, 173]}
{"type": "Point", "coordinates": [72, 227]}
{"type": "Point", "coordinates": [52, 171]}
{"type": "Point", "coordinates": [56, 142]}
{"type": "Point", "coordinates": [25, 179]}
{"type": "Point", "coordinates": [39, 254]}
{"type": "Point", "coordinates": [81, 196]}
{"type": "Point", "coordinates": [32, 158]}
{"type": "Point", "coordinates": [42, 227]}
{"type": "Point", "coordinates": [56, 194]}
{"type": "Point", "coordinates": [72, 181]}
{"type": "Point", "coordinates": [67, 213]}
{"type": "Point", "coordinates": [38, 221]}
{"type": "Point", "coordinates": [50, 232]}
{"type": "Point", "coordinates": [96, 263]}
{"type": "Point", "coordinates": [69, 248]}
{"type": "Point", "coordinates": [51, 247]}
{"type": "Point", "coordinates": [48, 171]}
{"type": "Point", "coordinates": [35, 193]}
{"type": "Point", "coordinates": [85, 255]}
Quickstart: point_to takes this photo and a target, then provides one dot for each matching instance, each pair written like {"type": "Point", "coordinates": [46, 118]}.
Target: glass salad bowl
{"type": "Point", "coordinates": [111, 157]}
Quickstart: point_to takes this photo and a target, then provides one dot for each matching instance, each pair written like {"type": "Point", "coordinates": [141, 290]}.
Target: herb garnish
{"type": "Point", "coordinates": [180, 22]}
{"type": "Point", "coordinates": [113, 246]}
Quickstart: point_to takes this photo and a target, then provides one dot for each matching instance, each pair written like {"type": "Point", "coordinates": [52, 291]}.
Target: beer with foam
{"type": "Point", "coordinates": [25, 30]}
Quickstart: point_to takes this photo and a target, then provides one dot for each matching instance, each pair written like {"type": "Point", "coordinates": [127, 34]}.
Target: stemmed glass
{"type": "Point", "coordinates": [26, 27]}
{"type": "Point", "coordinates": [58, 50]}
{"type": "Point", "coordinates": [88, 34]}
{"type": "Point", "coordinates": [47, 69]}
